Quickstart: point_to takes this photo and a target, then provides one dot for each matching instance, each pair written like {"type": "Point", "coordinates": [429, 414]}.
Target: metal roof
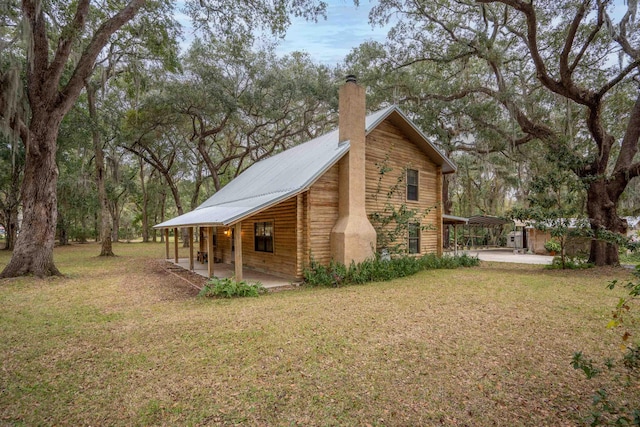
{"type": "Point", "coordinates": [452, 219]}
{"type": "Point", "coordinates": [290, 172]}
{"type": "Point", "coordinates": [488, 220]}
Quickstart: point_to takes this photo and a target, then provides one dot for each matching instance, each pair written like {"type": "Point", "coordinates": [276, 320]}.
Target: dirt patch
{"type": "Point", "coordinates": [176, 278]}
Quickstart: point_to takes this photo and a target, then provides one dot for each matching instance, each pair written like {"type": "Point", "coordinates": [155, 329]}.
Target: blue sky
{"type": "Point", "coordinates": [327, 41]}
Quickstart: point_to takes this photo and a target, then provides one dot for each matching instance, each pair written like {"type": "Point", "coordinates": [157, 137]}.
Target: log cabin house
{"type": "Point", "coordinates": [315, 200]}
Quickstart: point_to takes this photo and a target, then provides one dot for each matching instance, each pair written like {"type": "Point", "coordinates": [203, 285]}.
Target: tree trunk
{"type": "Point", "coordinates": [63, 235]}
{"type": "Point", "coordinates": [447, 204]}
{"type": "Point", "coordinates": [82, 236]}
{"type": "Point", "coordinates": [106, 248]}
{"type": "Point", "coordinates": [115, 217]}
{"type": "Point", "coordinates": [145, 205]}
{"type": "Point", "coordinates": [12, 227]}
{"type": "Point", "coordinates": [163, 200]}
{"type": "Point", "coordinates": [603, 216]}
{"type": "Point", "coordinates": [33, 253]}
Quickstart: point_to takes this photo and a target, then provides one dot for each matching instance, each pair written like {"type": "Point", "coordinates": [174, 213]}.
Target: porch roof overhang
{"type": "Point", "coordinates": [452, 219]}
{"type": "Point", "coordinates": [226, 214]}
{"type": "Point", "coordinates": [488, 221]}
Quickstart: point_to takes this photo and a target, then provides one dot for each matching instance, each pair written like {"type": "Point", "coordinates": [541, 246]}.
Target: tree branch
{"type": "Point", "coordinates": [629, 146]}
{"type": "Point", "coordinates": [68, 95]}
{"type": "Point", "coordinates": [68, 36]}
{"type": "Point", "coordinates": [590, 38]}
{"type": "Point", "coordinates": [565, 69]}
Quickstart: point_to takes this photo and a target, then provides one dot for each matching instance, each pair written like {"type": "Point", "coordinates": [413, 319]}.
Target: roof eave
{"type": "Point", "coordinates": [345, 145]}
{"type": "Point", "coordinates": [184, 225]}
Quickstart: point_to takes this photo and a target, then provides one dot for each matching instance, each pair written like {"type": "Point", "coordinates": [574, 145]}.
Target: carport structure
{"type": "Point", "coordinates": [479, 231]}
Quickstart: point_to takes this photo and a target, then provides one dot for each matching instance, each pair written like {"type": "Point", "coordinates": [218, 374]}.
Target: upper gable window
{"type": "Point", "coordinates": [412, 184]}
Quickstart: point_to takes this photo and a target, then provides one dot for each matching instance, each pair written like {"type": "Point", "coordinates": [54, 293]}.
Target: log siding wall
{"type": "Point", "coordinates": [303, 223]}
{"type": "Point", "coordinates": [283, 260]}
{"type": "Point", "coordinates": [386, 145]}
{"type": "Point", "coordinates": [323, 214]}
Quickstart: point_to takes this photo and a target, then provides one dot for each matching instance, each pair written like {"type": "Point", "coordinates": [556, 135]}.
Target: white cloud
{"type": "Point", "coordinates": [329, 41]}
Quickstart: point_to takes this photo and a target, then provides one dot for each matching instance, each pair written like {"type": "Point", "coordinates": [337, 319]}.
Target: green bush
{"type": "Point", "coordinates": [553, 245]}
{"type": "Point", "coordinates": [378, 270]}
{"type": "Point", "coordinates": [570, 263]}
{"type": "Point", "coordinates": [229, 288]}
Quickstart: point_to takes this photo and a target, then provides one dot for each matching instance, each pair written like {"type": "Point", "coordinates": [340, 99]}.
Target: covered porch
{"type": "Point", "coordinates": [223, 271]}
{"type": "Point", "coordinates": [218, 252]}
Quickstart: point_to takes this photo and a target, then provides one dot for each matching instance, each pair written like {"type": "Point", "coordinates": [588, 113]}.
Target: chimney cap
{"type": "Point", "coordinates": [351, 78]}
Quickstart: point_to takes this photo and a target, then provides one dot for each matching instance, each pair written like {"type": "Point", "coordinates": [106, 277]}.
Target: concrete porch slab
{"type": "Point", "coordinates": [223, 271]}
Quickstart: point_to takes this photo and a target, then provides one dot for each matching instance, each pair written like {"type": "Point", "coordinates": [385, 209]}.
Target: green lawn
{"type": "Point", "coordinates": [119, 342]}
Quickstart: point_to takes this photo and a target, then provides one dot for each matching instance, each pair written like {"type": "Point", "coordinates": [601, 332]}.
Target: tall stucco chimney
{"type": "Point", "coordinates": [353, 238]}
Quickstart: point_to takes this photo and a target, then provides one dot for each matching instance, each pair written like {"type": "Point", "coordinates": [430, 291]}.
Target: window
{"type": "Point", "coordinates": [412, 184]}
{"type": "Point", "coordinates": [414, 238]}
{"type": "Point", "coordinates": [263, 232]}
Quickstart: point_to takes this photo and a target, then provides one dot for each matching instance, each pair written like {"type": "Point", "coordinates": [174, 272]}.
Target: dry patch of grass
{"type": "Point", "coordinates": [119, 342]}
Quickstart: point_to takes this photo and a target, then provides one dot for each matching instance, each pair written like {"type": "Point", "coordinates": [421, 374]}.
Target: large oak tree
{"type": "Point", "coordinates": [55, 75]}
{"type": "Point", "coordinates": [62, 41]}
{"type": "Point", "coordinates": [564, 73]}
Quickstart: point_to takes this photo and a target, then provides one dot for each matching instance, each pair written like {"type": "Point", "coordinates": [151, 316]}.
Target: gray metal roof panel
{"type": "Point", "coordinates": [488, 220]}
{"type": "Point", "coordinates": [290, 171]}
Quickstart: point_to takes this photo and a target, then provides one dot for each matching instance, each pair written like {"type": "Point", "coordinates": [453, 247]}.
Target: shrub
{"type": "Point", "coordinates": [553, 245]}
{"type": "Point", "coordinates": [229, 288]}
{"type": "Point", "coordinates": [372, 270]}
{"type": "Point", "coordinates": [570, 263]}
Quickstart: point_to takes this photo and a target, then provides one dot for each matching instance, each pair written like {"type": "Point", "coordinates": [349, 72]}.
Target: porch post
{"type": "Point", "coordinates": [191, 248]}
{"type": "Point", "coordinates": [238, 245]}
{"type": "Point", "coordinates": [210, 254]}
{"type": "Point", "coordinates": [175, 243]}
{"type": "Point", "coordinates": [166, 242]}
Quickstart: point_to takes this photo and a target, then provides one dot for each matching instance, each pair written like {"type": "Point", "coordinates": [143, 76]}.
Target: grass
{"type": "Point", "coordinates": [632, 258]}
{"type": "Point", "coordinates": [118, 342]}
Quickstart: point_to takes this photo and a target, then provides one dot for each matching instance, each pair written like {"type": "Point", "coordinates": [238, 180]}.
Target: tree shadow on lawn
{"type": "Point", "coordinates": [603, 272]}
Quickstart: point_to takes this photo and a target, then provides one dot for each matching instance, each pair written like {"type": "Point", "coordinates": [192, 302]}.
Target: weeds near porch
{"type": "Point", "coordinates": [377, 270]}
{"type": "Point", "coordinates": [229, 288]}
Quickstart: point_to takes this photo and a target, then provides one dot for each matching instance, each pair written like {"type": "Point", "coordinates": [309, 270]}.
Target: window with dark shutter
{"type": "Point", "coordinates": [263, 232]}
{"type": "Point", "coordinates": [414, 238]}
{"type": "Point", "coordinates": [412, 184]}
